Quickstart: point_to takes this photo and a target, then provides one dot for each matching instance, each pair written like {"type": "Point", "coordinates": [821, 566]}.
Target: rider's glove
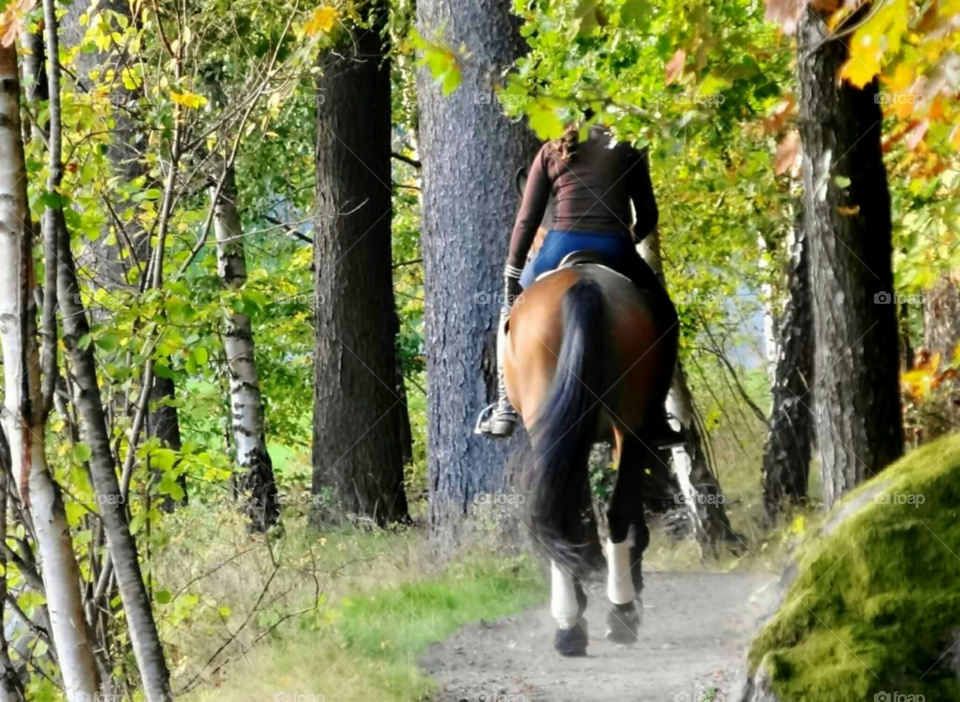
{"type": "Point", "coordinates": [511, 284]}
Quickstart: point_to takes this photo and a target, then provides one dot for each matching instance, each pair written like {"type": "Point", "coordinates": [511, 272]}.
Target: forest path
{"type": "Point", "coordinates": [693, 640]}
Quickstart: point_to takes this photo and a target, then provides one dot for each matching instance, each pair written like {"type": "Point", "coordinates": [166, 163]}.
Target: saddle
{"type": "Point", "coordinates": [584, 258]}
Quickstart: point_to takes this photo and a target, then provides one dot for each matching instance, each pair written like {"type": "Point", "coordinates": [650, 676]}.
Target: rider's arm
{"type": "Point", "coordinates": [534, 204]}
{"type": "Point", "coordinates": [641, 192]}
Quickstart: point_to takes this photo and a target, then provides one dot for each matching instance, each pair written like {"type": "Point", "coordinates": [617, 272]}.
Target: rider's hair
{"type": "Point", "coordinates": [567, 144]}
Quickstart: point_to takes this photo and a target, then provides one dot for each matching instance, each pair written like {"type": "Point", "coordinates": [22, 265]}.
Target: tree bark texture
{"type": "Point", "coordinates": [941, 321]}
{"type": "Point", "coordinates": [255, 481]}
{"type": "Point", "coordinates": [121, 544]}
{"type": "Point", "coordinates": [786, 456]}
{"type": "Point", "coordinates": [357, 447]}
{"type": "Point", "coordinates": [859, 424]}
{"type": "Point", "coordinates": [11, 686]}
{"type": "Point", "coordinates": [471, 154]}
{"type": "Point", "coordinates": [23, 415]}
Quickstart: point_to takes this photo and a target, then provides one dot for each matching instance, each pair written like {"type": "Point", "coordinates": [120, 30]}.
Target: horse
{"type": "Point", "coordinates": [584, 361]}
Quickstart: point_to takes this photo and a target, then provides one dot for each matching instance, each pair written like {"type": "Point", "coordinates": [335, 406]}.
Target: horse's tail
{"type": "Point", "coordinates": [566, 427]}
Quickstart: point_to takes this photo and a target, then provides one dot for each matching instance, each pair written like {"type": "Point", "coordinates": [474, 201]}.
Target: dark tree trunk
{"type": "Point", "coordinates": [163, 423]}
{"type": "Point", "coordinates": [859, 424]}
{"type": "Point", "coordinates": [786, 456]}
{"type": "Point", "coordinates": [470, 155]}
{"type": "Point", "coordinates": [357, 449]}
{"type": "Point", "coordinates": [941, 322]}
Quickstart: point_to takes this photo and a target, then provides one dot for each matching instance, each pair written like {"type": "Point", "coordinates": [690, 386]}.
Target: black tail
{"type": "Point", "coordinates": [566, 427]}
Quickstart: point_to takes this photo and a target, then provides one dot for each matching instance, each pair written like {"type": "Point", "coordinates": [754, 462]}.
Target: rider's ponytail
{"type": "Point", "coordinates": [567, 144]}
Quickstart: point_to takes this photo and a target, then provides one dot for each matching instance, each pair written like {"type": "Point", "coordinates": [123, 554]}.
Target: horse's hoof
{"type": "Point", "coordinates": [623, 622]}
{"type": "Point", "coordinates": [572, 642]}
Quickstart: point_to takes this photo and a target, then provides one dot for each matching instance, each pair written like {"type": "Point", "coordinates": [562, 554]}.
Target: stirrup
{"type": "Point", "coordinates": [496, 422]}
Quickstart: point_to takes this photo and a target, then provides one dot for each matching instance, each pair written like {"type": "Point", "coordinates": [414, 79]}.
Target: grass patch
{"type": "Point", "coordinates": [875, 605]}
{"type": "Point", "coordinates": [383, 600]}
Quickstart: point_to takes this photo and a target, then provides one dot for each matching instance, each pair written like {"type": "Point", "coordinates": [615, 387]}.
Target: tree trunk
{"type": "Point", "coordinates": [121, 545]}
{"type": "Point", "coordinates": [470, 154]}
{"type": "Point", "coordinates": [357, 451]}
{"type": "Point", "coordinates": [941, 321]}
{"type": "Point", "coordinates": [11, 686]}
{"type": "Point", "coordinates": [786, 456]}
{"type": "Point", "coordinates": [23, 417]}
{"type": "Point", "coordinates": [163, 423]}
{"type": "Point", "coordinates": [255, 482]}
{"type": "Point", "coordinates": [859, 424]}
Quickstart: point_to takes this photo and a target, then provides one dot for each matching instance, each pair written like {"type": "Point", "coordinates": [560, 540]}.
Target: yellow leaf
{"type": "Point", "coordinates": [882, 34]}
{"type": "Point", "coordinates": [321, 21]}
{"type": "Point", "coordinates": [188, 99]}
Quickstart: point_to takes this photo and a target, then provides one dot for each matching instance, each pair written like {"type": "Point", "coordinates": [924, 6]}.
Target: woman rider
{"type": "Point", "coordinates": [593, 184]}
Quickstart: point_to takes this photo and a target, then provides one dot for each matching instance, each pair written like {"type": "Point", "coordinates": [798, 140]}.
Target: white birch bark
{"type": "Point", "coordinates": [23, 410]}
{"type": "Point", "coordinates": [121, 544]}
{"type": "Point", "coordinates": [256, 481]}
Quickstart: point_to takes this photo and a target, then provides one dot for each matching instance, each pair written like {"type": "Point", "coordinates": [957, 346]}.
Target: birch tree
{"type": "Point", "coordinates": [24, 417]}
{"type": "Point", "coordinates": [256, 482]}
{"type": "Point", "coordinates": [121, 544]}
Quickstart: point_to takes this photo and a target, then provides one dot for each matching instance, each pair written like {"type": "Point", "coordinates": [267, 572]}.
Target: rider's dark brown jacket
{"type": "Point", "coordinates": [591, 192]}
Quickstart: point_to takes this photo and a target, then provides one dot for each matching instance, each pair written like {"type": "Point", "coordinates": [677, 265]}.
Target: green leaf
{"type": "Point", "coordinates": [82, 452]}
{"type": "Point", "coordinates": [163, 371]}
{"type": "Point", "coordinates": [163, 459]}
{"type": "Point", "coordinates": [636, 14]}
{"type": "Point", "coordinates": [162, 597]}
{"type": "Point", "coordinates": [108, 342]}
{"type": "Point", "coordinates": [200, 355]}
{"type": "Point", "coordinates": [544, 121]}
{"type": "Point", "coordinates": [841, 181]}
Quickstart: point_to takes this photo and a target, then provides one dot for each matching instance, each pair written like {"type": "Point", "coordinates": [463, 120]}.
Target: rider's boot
{"type": "Point", "coordinates": [499, 419]}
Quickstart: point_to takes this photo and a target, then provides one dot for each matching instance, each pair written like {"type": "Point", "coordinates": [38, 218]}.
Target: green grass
{"type": "Point", "coordinates": [876, 604]}
{"type": "Point", "coordinates": [385, 607]}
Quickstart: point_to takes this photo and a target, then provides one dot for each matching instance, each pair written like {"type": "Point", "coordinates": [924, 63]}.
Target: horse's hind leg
{"type": "Point", "coordinates": [623, 554]}
{"type": "Point", "coordinates": [568, 605]}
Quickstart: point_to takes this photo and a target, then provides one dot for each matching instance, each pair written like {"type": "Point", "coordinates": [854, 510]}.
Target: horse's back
{"type": "Point", "coordinates": [635, 357]}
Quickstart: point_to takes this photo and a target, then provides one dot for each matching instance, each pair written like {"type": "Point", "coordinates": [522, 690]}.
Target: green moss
{"type": "Point", "coordinates": [876, 602]}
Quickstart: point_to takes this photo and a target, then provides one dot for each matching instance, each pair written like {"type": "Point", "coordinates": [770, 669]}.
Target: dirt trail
{"type": "Point", "coordinates": [696, 627]}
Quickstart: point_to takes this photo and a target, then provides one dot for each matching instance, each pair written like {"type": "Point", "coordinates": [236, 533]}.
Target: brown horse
{"type": "Point", "coordinates": [584, 361]}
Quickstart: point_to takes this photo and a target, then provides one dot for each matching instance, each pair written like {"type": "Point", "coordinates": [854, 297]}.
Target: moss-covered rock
{"type": "Point", "coordinates": [875, 603]}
